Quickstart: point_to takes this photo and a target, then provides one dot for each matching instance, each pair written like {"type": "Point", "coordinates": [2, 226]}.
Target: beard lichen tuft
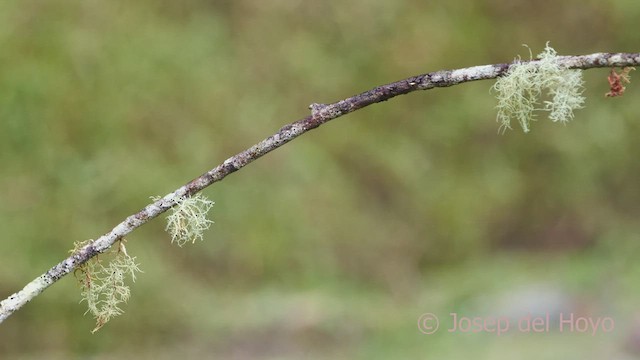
{"type": "Point", "coordinates": [103, 286]}
{"type": "Point", "coordinates": [188, 219]}
{"type": "Point", "coordinates": [519, 91]}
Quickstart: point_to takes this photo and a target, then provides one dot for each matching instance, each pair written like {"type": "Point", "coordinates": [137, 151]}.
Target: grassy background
{"type": "Point", "coordinates": [334, 245]}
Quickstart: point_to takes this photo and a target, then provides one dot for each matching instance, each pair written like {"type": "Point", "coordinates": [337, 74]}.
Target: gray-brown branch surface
{"type": "Point", "coordinates": [320, 114]}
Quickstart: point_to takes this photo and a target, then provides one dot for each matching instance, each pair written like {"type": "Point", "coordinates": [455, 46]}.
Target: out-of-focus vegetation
{"type": "Point", "coordinates": [334, 245]}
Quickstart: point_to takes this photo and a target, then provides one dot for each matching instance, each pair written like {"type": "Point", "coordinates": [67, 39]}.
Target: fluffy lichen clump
{"type": "Point", "coordinates": [519, 91]}
{"type": "Point", "coordinates": [188, 219]}
{"type": "Point", "coordinates": [103, 286]}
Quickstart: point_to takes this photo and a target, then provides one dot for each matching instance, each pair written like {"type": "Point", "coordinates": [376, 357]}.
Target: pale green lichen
{"type": "Point", "coordinates": [519, 91]}
{"type": "Point", "coordinates": [188, 219]}
{"type": "Point", "coordinates": [103, 286]}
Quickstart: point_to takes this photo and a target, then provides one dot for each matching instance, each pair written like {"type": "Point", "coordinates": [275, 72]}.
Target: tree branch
{"type": "Point", "coordinates": [320, 114]}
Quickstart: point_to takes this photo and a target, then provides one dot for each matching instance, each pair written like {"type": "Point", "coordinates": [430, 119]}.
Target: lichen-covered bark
{"type": "Point", "coordinates": [320, 114]}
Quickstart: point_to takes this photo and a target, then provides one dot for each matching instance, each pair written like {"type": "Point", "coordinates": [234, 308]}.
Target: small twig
{"type": "Point", "coordinates": [321, 113]}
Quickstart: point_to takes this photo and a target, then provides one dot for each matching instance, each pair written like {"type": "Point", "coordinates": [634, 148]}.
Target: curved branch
{"type": "Point", "coordinates": [320, 114]}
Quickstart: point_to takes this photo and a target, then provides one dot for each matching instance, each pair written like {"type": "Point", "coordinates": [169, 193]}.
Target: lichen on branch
{"type": "Point", "coordinates": [520, 90]}
{"type": "Point", "coordinates": [103, 286]}
{"type": "Point", "coordinates": [188, 219]}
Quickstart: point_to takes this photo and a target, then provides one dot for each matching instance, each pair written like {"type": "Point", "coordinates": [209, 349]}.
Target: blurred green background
{"type": "Point", "coordinates": [334, 245]}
